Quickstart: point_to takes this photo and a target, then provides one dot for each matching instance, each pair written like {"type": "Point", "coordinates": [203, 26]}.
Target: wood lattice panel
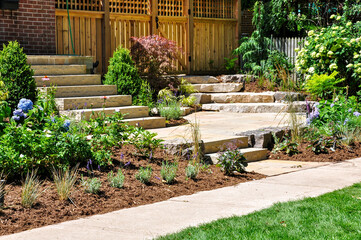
{"type": "Point", "coordinates": [129, 6]}
{"type": "Point", "coordinates": [86, 5]}
{"type": "Point", "coordinates": [214, 8]}
{"type": "Point", "coordinates": [172, 8]}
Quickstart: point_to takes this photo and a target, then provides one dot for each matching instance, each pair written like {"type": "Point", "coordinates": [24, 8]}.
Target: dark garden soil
{"type": "Point", "coordinates": [342, 153]}
{"type": "Point", "coordinates": [49, 210]}
{"type": "Point", "coordinates": [176, 122]}
{"type": "Point", "coordinates": [254, 87]}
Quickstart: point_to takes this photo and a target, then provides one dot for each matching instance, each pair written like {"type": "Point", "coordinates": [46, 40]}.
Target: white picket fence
{"type": "Point", "coordinates": [288, 46]}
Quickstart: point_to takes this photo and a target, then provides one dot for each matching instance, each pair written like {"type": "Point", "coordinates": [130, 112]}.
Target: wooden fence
{"type": "Point", "coordinates": [206, 30]}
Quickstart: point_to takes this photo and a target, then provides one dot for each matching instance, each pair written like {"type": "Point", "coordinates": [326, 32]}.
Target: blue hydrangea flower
{"type": "Point", "coordinates": [66, 124]}
{"type": "Point", "coordinates": [19, 113]}
{"type": "Point", "coordinates": [16, 118]}
{"type": "Point", "coordinates": [357, 114]}
{"type": "Point", "coordinates": [350, 110]}
{"type": "Point", "coordinates": [25, 105]}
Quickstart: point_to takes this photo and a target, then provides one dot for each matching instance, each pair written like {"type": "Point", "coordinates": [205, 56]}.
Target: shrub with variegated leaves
{"type": "Point", "coordinates": [335, 48]}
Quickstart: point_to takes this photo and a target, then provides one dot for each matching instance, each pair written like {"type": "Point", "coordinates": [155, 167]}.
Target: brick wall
{"type": "Point", "coordinates": [32, 25]}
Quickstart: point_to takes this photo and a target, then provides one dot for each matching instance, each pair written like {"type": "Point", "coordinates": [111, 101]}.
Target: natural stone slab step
{"type": "Point", "coordinates": [199, 79]}
{"type": "Point", "coordinates": [217, 145]}
{"type": "Point", "coordinates": [74, 103]}
{"type": "Point", "coordinates": [68, 80]}
{"type": "Point", "coordinates": [83, 91]}
{"type": "Point", "coordinates": [41, 70]}
{"type": "Point", "coordinates": [218, 87]}
{"type": "Point", "coordinates": [251, 155]}
{"type": "Point", "coordinates": [255, 107]}
{"type": "Point", "coordinates": [147, 122]}
{"type": "Point", "coordinates": [243, 97]}
{"type": "Point", "coordinates": [202, 98]}
{"type": "Point", "coordinates": [60, 60]}
{"type": "Point", "coordinates": [127, 111]}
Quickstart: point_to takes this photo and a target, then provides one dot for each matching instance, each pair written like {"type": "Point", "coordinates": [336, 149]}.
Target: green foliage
{"type": "Point", "coordinates": [232, 160]}
{"type": "Point", "coordinates": [64, 180]}
{"type": "Point", "coordinates": [333, 48]}
{"type": "Point", "coordinates": [185, 88]}
{"type": "Point", "coordinates": [285, 144]}
{"type": "Point", "coordinates": [117, 180]}
{"type": "Point", "coordinates": [3, 92]}
{"type": "Point", "coordinates": [230, 63]}
{"type": "Point", "coordinates": [169, 172]}
{"type": "Point", "coordinates": [144, 175]}
{"type": "Point", "coordinates": [324, 85]}
{"type": "Point", "coordinates": [30, 190]}
{"type": "Point", "coordinates": [91, 185]}
{"type": "Point", "coordinates": [170, 109]}
{"type": "Point", "coordinates": [192, 170]}
{"type": "Point", "coordinates": [16, 74]}
{"type": "Point", "coordinates": [145, 96]}
{"type": "Point", "coordinates": [321, 145]}
{"type": "Point", "coordinates": [123, 73]}
{"type": "Point", "coordinates": [171, 95]}
{"type": "Point", "coordinates": [145, 142]}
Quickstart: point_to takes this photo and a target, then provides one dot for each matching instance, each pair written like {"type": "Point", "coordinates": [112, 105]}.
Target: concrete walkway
{"type": "Point", "coordinates": [146, 222]}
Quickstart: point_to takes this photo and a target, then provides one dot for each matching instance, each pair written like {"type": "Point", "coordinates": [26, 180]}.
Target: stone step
{"type": "Point", "coordinates": [127, 111]}
{"type": "Point", "coordinates": [147, 122]}
{"type": "Point", "coordinates": [41, 70]}
{"type": "Point", "coordinates": [60, 60]}
{"type": "Point", "coordinates": [218, 87]}
{"type": "Point", "coordinates": [74, 103]}
{"type": "Point", "coordinates": [217, 145]}
{"type": "Point", "coordinates": [242, 97]}
{"type": "Point", "coordinates": [68, 80]}
{"type": "Point", "coordinates": [255, 107]}
{"type": "Point", "coordinates": [199, 79]}
{"type": "Point", "coordinates": [251, 155]}
{"type": "Point", "coordinates": [83, 91]}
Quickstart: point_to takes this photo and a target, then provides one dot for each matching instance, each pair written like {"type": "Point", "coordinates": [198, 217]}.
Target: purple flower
{"type": "Point", "coordinates": [127, 164]}
{"type": "Point", "coordinates": [345, 122]}
{"type": "Point", "coordinates": [122, 156]}
{"type": "Point", "coordinates": [350, 110]}
{"type": "Point", "coordinates": [157, 177]}
{"type": "Point", "coordinates": [332, 105]}
{"type": "Point", "coordinates": [16, 118]}
{"type": "Point", "coordinates": [357, 114]}
{"type": "Point", "coordinates": [66, 124]}
{"type": "Point", "coordinates": [151, 155]}
{"type": "Point", "coordinates": [99, 168]}
{"type": "Point", "coordinates": [90, 162]}
{"type": "Point", "coordinates": [53, 119]}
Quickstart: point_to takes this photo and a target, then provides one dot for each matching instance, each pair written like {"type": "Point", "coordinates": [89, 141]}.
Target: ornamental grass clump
{"type": "Point", "coordinates": [64, 180]}
{"type": "Point", "coordinates": [144, 175]}
{"type": "Point", "coordinates": [91, 185]}
{"type": "Point", "coordinates": [169, 172]}
{"type": "Point", "coordinates": [117, 180]}
{"type": "Point", "coordinates": [30, 189]}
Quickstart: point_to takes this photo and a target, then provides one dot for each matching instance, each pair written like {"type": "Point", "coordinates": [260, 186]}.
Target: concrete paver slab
{"type": "Point", "coordinates": [146, 222]}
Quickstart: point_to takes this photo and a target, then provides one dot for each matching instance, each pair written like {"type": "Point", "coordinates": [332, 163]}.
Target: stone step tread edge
{"type": "Point", "coordinates": [68, 80]}
{"type": "Point", "coordinates": [147, 122]}
{"type": "Point", "coordinates": [251, 154]}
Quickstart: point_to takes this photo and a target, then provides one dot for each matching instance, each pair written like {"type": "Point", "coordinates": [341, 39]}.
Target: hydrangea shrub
{"type": "Point", "coordinates": [334, 48]}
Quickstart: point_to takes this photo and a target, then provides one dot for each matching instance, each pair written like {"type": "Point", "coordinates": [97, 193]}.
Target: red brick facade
{"type": "Point", "coordinates": [32, 25]}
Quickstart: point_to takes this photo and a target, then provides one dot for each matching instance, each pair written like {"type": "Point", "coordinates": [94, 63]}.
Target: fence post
{"type": "Point", "coordinates": [107, 39]}
{"type": "Point", "coordinates": [188, 8]}
{"type": "Point", "coordinates": [154, 16]}
{"type": "Point", "coordinates": [238, 16]}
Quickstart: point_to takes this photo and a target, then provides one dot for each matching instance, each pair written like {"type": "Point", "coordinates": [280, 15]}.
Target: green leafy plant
{"type": "Point", "coordinates": [230, 63]}
{"type": "Point", "coordinates": [64, 180]}
{"type": "Point", "coordinates": [145, 96]}
{"type": "Point", "coordinates": [324, 85]}
{"type": "Point", "coordinates": [144, 175]}
{"type": "Point", "coordinates": [16, 74]}
{"type": "Point", "coordinates": [117, 180]}
{"type": "Point", "coordinates": [285, 144]}
{"type": "Point", "coordinates": [145, 141]}
{"type": "Point", "coordinates": [170, 109]}
{"type": "Point", "coordinates": [321, 145]}
{"type": "Point", "coordinates": [169, 172]}
{"type": "Point", "coordinates": [30, 191]}
{"type": "Point", "coordinates": [192, 170]}
{"type": "Point", "coordinates": [232, 160]}
{"type": "Point", "coordinates": [91, 185]}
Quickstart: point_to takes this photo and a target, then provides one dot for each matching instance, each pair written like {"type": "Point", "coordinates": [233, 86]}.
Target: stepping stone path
{"type": "Point", "coordinates": [79, 93]}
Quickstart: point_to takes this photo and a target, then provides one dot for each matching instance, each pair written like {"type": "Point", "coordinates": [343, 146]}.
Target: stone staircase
{"type": "Point", "coordinates": [224, 96]}
{"type": "Point", "coordinates": [79, 94]}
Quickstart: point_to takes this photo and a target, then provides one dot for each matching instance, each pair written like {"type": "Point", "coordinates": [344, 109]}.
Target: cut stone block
{"type": "Point", "coordinates": [60, 60]}
{"type": "Point", "coordinates": [128, 112]}
{"type": "Point", "coordinates": [147, 122]}
{"type": "Point", "coordinates": [74, 103]}
{"type": "Point", "coordinates": [202, 98]}
{"type": "Point", "coordinates": [212, 146]}
{"type": "Point", "coordinates": [83, 91]}
{"type": "Point", "coordinates": [237, 78]}
{"type": "Point", "coordinates": [255, 107]}
{"type": "Point", "coordinates": [68, 80]}
{"type": "Point", "coordinates": [218, 87]}
{"type": "Point", "coordinates": [251, 155]}
{"type": "Point", "coordinates": [200, 79]}
{"type": "Point", "coordinates": [289, 96]}
{"type": "Point", "coordinates": [244, 97]}
{"type": "Point", "coordinates": [41, 70]}
{"type": "Point", "coordinates": [263, 138]}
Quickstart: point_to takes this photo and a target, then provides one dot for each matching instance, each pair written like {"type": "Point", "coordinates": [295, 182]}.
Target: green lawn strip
{"type": "Point", "coordinates": [335, 215]}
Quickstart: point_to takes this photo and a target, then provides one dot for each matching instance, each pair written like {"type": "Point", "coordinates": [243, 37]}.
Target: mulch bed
{"type": "Point", "coordinates": [49, 210]}
{"type": "Point", "coordinates": [254, 87]}
{"type": "Point", "coordinates": [176, 122]}
{"type": "Point", "coordinates": [342, 153]}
